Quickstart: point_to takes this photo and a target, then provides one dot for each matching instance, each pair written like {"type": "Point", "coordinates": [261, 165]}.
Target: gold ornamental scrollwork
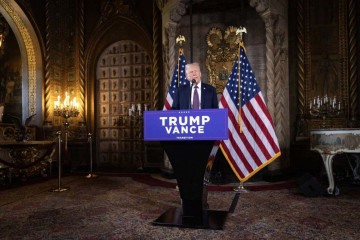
{"type": "Point", "coordinates": [30, 51]}
{"type": "Point", "coordinates": [222, 49]}
{"type": "Point", "coordinates": [24, 156]}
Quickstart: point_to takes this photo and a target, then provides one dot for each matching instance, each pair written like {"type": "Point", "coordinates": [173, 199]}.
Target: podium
{"type": "Point", "coordinates": [188, 136]}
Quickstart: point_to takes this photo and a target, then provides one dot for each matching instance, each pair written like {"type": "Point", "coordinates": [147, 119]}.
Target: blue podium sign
{"type": "Point", "coordinates": [180, 125]}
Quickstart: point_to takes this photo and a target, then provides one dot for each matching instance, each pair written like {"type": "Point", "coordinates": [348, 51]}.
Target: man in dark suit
{"type": "Point", "coordinates": [189, 158]}
{"type": "Point", "coordinates": [207, 93]}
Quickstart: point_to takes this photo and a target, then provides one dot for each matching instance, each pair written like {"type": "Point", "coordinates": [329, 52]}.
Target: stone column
{"type": "Point", "coordinates": [172, 12]}
{"type": "Point", "coordinates": [274, 14]}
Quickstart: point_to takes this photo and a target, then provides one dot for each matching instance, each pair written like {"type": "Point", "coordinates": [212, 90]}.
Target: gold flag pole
{"type": "Point", "coordinates": [180, 39]}
{"type": "Point", "coordinates": [240, 32]}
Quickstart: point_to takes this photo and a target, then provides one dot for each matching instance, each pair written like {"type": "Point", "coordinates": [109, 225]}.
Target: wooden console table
{"type": "Point", "coordinates": [329, 142]}
{"type": "Point", "coordinates": [27, 158]}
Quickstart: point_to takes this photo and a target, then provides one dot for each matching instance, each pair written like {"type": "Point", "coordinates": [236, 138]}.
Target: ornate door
{"type": "Point", "coordinates": [123, 91]}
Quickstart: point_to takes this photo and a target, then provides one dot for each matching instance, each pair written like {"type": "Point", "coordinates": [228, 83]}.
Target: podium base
{"type": "Point", "coordinates": [211, 219]}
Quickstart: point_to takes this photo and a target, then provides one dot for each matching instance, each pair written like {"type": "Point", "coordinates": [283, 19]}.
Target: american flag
{"type": "Point", "coordinates": [179, 78]}
{"type": "Point", "coordinates": [252, 143]}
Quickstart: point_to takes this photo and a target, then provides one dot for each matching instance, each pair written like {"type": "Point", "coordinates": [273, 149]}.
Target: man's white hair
{"type": "Point", "coordinates": [195, 64]}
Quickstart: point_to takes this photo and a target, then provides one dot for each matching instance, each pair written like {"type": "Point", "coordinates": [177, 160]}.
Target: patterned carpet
{"type": "Point", "coordinates": [113, 207]}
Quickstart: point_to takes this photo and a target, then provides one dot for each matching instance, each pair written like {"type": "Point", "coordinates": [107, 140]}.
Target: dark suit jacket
{"type": "Point", "coordinates": [189, 158]}
{"type": "Point", "coordinates": [208, 97]}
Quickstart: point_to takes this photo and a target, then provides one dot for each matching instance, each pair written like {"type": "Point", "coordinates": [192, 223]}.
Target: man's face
{"type": "Point", "coordinates": [193, 72]}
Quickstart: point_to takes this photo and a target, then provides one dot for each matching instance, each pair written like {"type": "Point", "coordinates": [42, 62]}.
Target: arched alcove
{"type": "Point", "coordinates": [31, 60]}
{"type": "Point", "coordinates": [123, 91]}
{"type": "Point", "coordinates": [116, 32]}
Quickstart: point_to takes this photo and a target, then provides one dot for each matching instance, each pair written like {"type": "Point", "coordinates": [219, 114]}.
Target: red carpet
{"type": "Point", "coordinates": [119, 207]}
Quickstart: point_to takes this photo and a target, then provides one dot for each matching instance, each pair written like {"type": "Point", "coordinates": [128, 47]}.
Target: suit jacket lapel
{"type": "Point", "coordinates": [187, 97]}
{"type": "Point", "coordinates": [203, 93]}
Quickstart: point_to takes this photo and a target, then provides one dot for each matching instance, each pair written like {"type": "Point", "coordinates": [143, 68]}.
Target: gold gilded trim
{"type": "Point", "coordinates": [30, 52]}
{"type": "Point", "coordinates": [222, 49]}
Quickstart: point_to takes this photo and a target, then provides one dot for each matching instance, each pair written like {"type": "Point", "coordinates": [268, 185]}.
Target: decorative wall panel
{"type": "Point", "coordinates": [323, 65]}
{"type": "Point", "coordinates": [123, 79]}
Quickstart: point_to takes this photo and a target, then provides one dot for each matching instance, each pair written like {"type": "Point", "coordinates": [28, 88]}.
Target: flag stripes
{"type": "Point", "coordinates": [178, 78]}
{"type": "Point", "coordinates": [252, 142]}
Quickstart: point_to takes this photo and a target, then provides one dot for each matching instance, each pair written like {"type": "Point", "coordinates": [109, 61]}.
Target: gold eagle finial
{"type": "Point", "coordinates": [240, 31]}
{"type": "Point", "coordinates": [180, 39]}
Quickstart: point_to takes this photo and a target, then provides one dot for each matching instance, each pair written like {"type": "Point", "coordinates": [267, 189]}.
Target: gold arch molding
{"type": "Point", "coordinates": [30, 52]}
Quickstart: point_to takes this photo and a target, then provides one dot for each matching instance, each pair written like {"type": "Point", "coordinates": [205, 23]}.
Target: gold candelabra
{"type": "Point", "coordinates": [135, 115]}
{"type": "Point", "coordinates": [136, 110]}
{"type": "Point", "coordinates": [325, 107]}
{"type": "Point", "coordinates": [67, 109]}
{"type": "Point", "coordinates": [135, 120]}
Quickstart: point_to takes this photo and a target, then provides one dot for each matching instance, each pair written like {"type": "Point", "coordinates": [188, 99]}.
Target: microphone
{"type": "Point", "coordinates": [192, 82]}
